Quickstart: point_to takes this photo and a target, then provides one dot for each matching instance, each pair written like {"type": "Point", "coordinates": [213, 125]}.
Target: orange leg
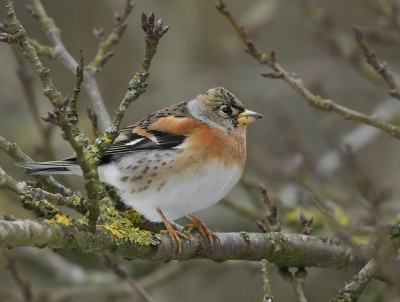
{"type": "Point", "coordinates": [172, 233]}
{"type": "Point", "coordinates": [201, 227]}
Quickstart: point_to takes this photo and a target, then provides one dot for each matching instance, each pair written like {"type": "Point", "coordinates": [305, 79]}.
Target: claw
{"type": "Point", "coordinates": [202, 228]}
{"type": "Point", "coordinates": [173, 234]}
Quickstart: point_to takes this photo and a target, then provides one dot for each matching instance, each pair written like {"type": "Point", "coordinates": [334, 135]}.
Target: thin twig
{"type": "Point", "coordinates": [137, 86]}
{"type": "Point", "coordinates": [7, 182]}
{"type": "Point", "coordinates": [46, 180]}
{"type": "Point", "coordinates": [121, 273]}
{"type": "Point", "coordinates": [307, 229]}
{"type": "Point", "coordinates": [103, 52]}
{"type": "Point", "coordinates": [62, 55]}
{"type": "Point", "coordinates": [380, 68]}
{"type": "Point", "coordinates": [27, 88]}
{"type": "Point", "coordinates": [272, 216]}
{"type": "Point", "coordinates": [292, 137]}
{"type": "Point", "coordinates": [313, 196]}
{"type": "Point", "coordinates": [93, 119]}
{"type": "Point", "coordinates": [267, 286]}
{"type": "Point", "coordinates": [16, 274]}
{"type": "Point", "coordinates": [73, 115]}
{"type": "Point", "coordinates": [297, 281]}
{"type": "Point", "coordinates": [297, 84]}
{"type": "Point", "coordinates": [365, 186]}
{"type": "Point", "coordinates": [75, 202]}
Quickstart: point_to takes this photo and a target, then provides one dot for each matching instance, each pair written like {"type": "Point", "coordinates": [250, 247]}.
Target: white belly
{"type": "Point", "coordinates": [179, 195]}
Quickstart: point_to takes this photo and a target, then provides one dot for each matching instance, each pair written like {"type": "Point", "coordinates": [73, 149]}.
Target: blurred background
{"type": "Point", "coordinates": [293, 142]}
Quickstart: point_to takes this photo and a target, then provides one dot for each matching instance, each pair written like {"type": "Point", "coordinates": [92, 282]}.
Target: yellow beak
{"type": "Point", "coordinates": [247, 117]}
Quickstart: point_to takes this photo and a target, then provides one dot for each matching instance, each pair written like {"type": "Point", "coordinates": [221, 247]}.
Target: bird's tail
{"type": "Point", "coordinates": [68, 165]}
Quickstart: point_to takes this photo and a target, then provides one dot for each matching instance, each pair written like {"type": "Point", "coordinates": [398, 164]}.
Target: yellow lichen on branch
{"type": "Point", "coordinates": [123, 226]}
{"type": "Point", "coordinates": [60, 218]}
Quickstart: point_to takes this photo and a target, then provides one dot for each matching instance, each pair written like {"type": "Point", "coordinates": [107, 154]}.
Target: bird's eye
{"type": "Point", "coordinates": [226, 110]}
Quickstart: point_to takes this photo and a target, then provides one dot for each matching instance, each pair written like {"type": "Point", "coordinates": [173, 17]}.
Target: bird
{"type": "Point", "coordinates": [176, 161]}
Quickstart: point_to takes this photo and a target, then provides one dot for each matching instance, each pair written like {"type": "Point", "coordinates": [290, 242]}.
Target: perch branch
{"type": "Point", "coordinates": [285, 250]}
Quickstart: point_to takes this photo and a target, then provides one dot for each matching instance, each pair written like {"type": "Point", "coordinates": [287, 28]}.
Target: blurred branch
{"type": "Point", "coordinates": [297, 84]}
{"type": "Point", "coordinates": [105, 44]}
{"type": "Point", "coordinates": [375, 197]}
{"type": "Point", "coordinates": [357, 138]}
{"type": "Point", "coordinates": [73, 115]}
{"type": "Point", "coordinates": [162, 274]}
{"type": "Point", "coordinates": [16, 274]}
{"type": "Point", "coordinates": [313, 195]}
{"type": "Point", "coordinates": [285, 250]}
{"type": "Point", "coordinates": [121, 273]}
{"type": "Point", "coordinates": [293, 139]}
{"type": "Point", "coordinates": [381, 68]}
{"type": "Point", "coordinates": [297, 281]}
{"type": "Point", "coordinates": [7, 182]}
{"type": "Point", "coordinates": [267, 286]}
{"type": "Point", "coordinates": [27, 87]}
{"type": "Point", "coordinates": [46, 180]}
{"type": "Point", "coordinates": [62, 55]}
{"type": "Point", "coordinates": [354, 288]}
{"type": "Point", "coordinates": [242, 209]}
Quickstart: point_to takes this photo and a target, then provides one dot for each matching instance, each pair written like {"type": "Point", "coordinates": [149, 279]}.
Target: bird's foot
{"type": "Point", "coordinates": [174, 234]}
{"type": "Point", "coordinates": [202, 228]}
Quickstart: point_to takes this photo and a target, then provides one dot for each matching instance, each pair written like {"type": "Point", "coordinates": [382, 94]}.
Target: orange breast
{"type": "Point", "coordinates": [227, 148]}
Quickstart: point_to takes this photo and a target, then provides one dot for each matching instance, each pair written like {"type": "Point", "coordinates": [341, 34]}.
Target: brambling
{"type": "Point", "coordinates": [176, 161]}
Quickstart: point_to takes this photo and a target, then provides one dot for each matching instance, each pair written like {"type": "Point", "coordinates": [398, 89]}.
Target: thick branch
{"type": "Point", "coordinates": [286, 250]}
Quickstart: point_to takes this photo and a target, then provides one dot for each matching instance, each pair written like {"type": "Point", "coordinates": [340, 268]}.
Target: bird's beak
{"type": "Point", "coordinates": [247, 117]}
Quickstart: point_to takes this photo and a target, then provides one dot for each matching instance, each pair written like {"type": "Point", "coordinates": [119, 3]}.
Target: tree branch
{"type": "Point", "coordinates": [297, 281]}
{"type": "Point", "coordinates": [46, 180]}
{"type": "Point", "coordinates": [62, 55]}
{"type": "Point", "coordinates": [380, 68]}
{"type": "Point", "coordinates": [354, 288]}
{"type": "Point", "coordinates": [297, 84]}
{"type": "Point", "coordinates": [285, 250]}
{"type": "Point", "coordinates": [16, 274]}
{"type": "Point", "coordinates": [137, 86]}
{"type": "Point", "coordinates": [267, 286]}
{"type": "Point", "coordinates": [121, 273]}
